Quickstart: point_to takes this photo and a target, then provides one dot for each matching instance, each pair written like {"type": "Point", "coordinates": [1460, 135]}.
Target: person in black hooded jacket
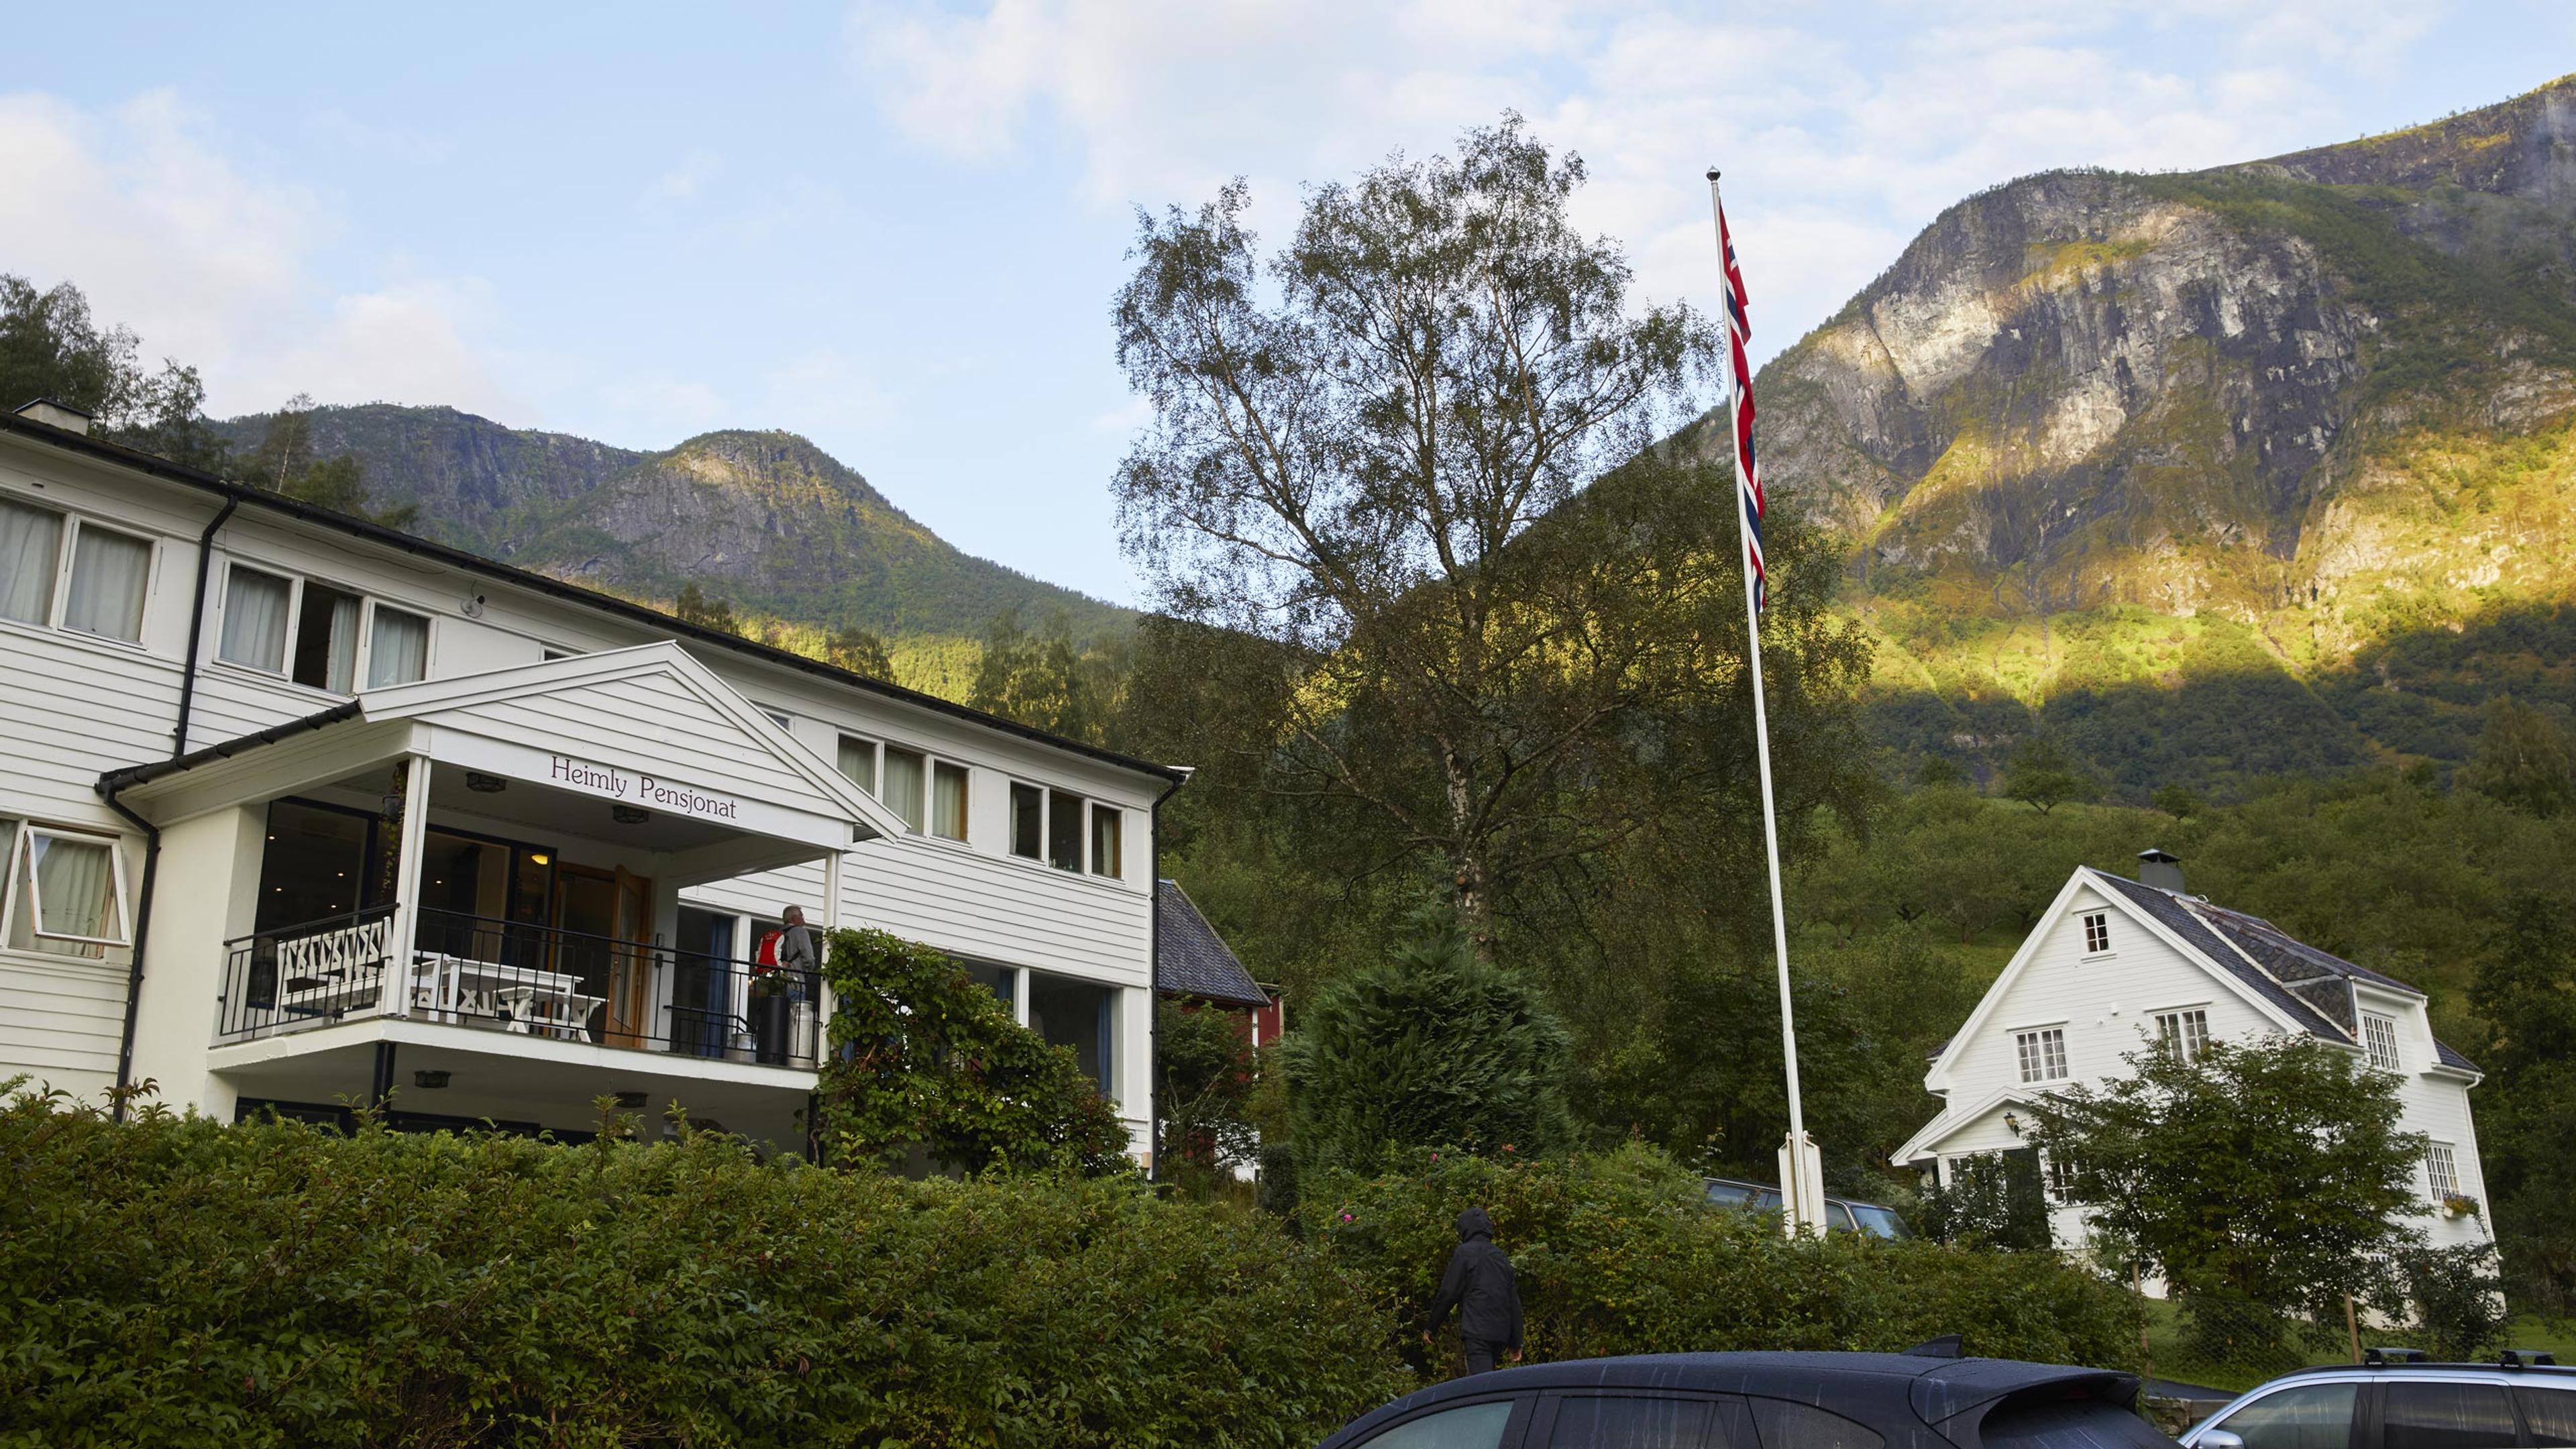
{"type": "Point", "coordinates": [1479, 1285]}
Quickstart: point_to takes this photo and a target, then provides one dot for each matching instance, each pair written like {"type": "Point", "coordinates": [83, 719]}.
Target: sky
{"type": "Point", "coordinates": [896, 228]}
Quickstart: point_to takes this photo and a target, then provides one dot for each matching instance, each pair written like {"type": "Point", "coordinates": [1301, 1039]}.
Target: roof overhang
{"type": "Point", "coordinates": [649, 727]}
{"type": "Point", "coordinates": [1927, 1141]}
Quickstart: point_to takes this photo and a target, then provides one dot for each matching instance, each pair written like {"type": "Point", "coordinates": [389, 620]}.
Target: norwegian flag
{"type": "Point", "coordinates": [1739, 379]}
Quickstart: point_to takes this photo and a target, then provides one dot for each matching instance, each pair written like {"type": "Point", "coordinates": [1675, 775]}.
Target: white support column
{"type": "Point", "coordinates": [832, 865]}
{"type": "Point", "coordinates": [413, 833]}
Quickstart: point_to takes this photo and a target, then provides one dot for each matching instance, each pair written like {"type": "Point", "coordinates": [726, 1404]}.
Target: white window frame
{"type": "Point", "coordinates": [66, 550]}
{"type": "Point", "coordinates": [362, 657]}
{"type": "Point", "coordinates": [876, 759]}
{"type": "Point", "coordinates": [931, 760]}
{"type": "Point", "coordinates": [2442, 1160]}
{"type": "Point", "coordinates": [2393, 1059]}
{"type": "Point", "coordinates": [2097, 924]}
{"type": "Point", "coordinates": [2030, 1044]}
{"type": "Point", "coordinates": [22, 872]}
{"type": "Point", "coordinates": [2055, 1182]}
{"type": "Point", "coordinates": [784, 719]}
{"type": "Point", "coordinates": [2191, 1052]}
{"type": "Point", "coordinates": [1087, 865]}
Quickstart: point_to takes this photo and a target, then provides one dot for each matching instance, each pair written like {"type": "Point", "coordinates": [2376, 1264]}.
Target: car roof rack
{"type": "Point", "coordinates": [2527, 1358]}
{"type": "Point", "coordinates": [2376, 1356]}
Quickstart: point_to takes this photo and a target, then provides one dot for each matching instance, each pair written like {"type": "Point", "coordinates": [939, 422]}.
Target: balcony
{"type": "Point", "coordinates": [518, 979]}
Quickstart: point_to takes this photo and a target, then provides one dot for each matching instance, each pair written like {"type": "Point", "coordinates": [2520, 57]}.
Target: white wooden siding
{"type": "Point", "coordinates": [61, 1020]}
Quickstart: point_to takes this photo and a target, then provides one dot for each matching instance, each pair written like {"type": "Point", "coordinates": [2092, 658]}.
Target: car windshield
{"type": "Point", "coordinates": [1880, 1222]}
{"type": "Point", "coordinates": [2303, 1416]}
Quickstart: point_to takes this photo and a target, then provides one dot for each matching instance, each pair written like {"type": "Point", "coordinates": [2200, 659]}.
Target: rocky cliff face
{"type": "Point", "coordinates": [2095, 430]}
{"type": "Point", "coordinates": [764, 519]}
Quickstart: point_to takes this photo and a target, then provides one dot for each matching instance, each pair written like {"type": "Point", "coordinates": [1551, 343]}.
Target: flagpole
{"type": "Point", "coordinates": [1802, 1213]}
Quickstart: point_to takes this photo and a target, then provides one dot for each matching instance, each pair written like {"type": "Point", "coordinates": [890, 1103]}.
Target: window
{"type": "Point", "coordinates": [1028, 821]}
{"type": "Point", "coordinates": [255, 609]}
{"type": "Point", "coordinates": [1077, 1014]}
{"type": "Point", "coordinates": [31, 544]}
{"type": "Point", "coordinates": [1107, 821]}
{"type": "Point", "coordinates": [326, 639]}
{"type": "Point", "coordinates": [2550, 1411]}
{"type": "Point", "coordinates": [1788, 1425]}
{"type": "Point", "coordinates": [2056, 1178]}
{"type": "Point", "coordinates": [859, 762]}
{"type": "Point", "coordinates": [1630, 1421]}
{"type": "Point", "coordinates": [906, 777]}
{"type": "Point", "coordinates": [2379, 1037]}
{"type": "Point", "coordinates": [2416, 1414]}
{"type": "Point", "coordinates": [110, 572]}
{"type": "Point", "coordinates": [2097, 932]}
{"type": "Point", "coordinates": [779, 717]}
{"type": "Point", "coordinates": [2310, 1416]}
{"type": "Point", "coordinates": [1064, 831]}
{"type": "Point", "coordinates": [398, 649]}
{"type": "Point", "coordinates": [2186, 1032]}
{"type": "Point", "coordinates": [948, 801]}
{"type": "Point", "coordinates": [65, 892]}
{"type": "Point", "coordinates": [1469, 1426]}
{"type": "Point", "coordinates": [2442, 1170]}
{"type": "Point", "coordinates": [2042, 1053]}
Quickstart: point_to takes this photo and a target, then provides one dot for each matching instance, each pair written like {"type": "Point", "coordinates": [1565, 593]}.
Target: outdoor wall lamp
{"type": "Point", "coordinates": [429, 1079]}
{"type": "Point", "coordinates": [2012, 1124]}
{"type": "Point", "coordinates": [482, 784]}
{"type": "Point", "coordinates": [629, 814]}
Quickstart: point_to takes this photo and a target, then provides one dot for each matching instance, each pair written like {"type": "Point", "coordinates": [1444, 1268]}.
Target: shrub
{"type": "Point", "coordinates": [925, 1057]}
{"type": "Point", "coordinates": [1431, 1045]}
{"type": "Point", "coordinates": [172, 1281]}
{"type": "Point", "coordinates": [1621, 1253]}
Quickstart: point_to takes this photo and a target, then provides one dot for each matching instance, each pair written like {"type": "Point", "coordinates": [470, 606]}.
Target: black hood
{"type": "Point", "coordinates": [1474, 1224]}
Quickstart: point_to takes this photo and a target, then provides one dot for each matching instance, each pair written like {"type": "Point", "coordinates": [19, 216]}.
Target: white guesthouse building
{"type": "Point", "coordinates": [297, 812]}
{"type": "Point", "coordinates": [2115, 964]}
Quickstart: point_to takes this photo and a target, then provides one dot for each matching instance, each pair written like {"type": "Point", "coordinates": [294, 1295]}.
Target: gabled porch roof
{"type": "Point", "coordinates": [648, 728]}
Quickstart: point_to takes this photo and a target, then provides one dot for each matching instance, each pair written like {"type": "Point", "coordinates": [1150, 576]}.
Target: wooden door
{"type": "Point", "coordinates": [630, 975]}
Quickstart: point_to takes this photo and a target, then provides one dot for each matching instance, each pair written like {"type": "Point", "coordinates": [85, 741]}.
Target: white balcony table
{"type": "Point", "coordinates": [453, 988]}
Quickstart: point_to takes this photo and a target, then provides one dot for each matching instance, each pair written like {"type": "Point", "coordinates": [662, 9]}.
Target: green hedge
{"type": "Point", "coordinates": [178, 1283]}
{"type": "Point", "coordinates": [173, 1282]}
{"type": "Point", "coordinates": [1620, 1253]}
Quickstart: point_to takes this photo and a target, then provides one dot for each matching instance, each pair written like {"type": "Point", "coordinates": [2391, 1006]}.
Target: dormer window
{"type": "Point", "coordinates": [2097, 932]}
{"type": "Point", "coordinates": [2379, 1038]}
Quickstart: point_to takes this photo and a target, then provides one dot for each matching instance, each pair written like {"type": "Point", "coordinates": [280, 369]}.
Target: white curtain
{"type": "Point", "coordinates": [903, 784]}
{"type": "Point", "coordinates": [75, 892]}
{"type": "Point", "coordinates": [29, 542]}
{"type": "Point", "coordinates": [109, 573]}
{"type": "Point", "coordinates": [399, 654]}
{"type": "Point", "coordinates": [948, 802]}
{"type": "Point", "coordinates": [342, 673]}
{"type": "Point", "coordinates": [254, 620]}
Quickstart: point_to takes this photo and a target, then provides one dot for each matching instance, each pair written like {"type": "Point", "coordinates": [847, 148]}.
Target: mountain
{"type": "Point", "coordinates": [764, 519]}
{"type": "Point", "coordinates": [2212, 474]}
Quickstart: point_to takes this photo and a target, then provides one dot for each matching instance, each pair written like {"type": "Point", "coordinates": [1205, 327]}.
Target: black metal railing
{"type": "Point", "coordinates": [576, 986]}
{"type": "Point", "coordinates": [312, 973]}
{"type": "Point", "coordinates": [521, 978]}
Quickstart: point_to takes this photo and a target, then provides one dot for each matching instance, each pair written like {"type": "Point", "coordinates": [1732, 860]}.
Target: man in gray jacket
{"type": "Point", "coordinates": [1479, 1285]}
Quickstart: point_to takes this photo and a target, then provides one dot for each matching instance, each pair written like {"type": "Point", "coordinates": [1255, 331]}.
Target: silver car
{"type": "Point", "coordinates": [2522, 1400]}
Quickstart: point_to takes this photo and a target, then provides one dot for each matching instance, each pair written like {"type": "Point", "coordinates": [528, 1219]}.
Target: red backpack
{"type": "Point", "coordinates": [764, 957]}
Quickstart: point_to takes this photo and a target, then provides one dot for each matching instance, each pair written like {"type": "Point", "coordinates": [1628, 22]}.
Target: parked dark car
{"type": "Point", "coordinates": [1842, 1215]}
{"type": "Point", "coordinates": [2523, 1399]}
{"type": "Point", "coordinates": [1767, 1401]}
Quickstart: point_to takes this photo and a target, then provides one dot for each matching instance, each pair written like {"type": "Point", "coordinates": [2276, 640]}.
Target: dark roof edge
{"type": "Point", "coordinates": [132, 775]}
{"type": "Point", "coordinates": [163, 468]}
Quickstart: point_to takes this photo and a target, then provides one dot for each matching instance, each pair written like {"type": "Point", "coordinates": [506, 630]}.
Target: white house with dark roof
{"type": "Point", "coordinates": [2114, 964]}
{"type": "Point", "coordinates": [299, 812]}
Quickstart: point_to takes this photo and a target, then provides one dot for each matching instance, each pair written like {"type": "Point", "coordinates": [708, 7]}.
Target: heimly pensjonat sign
{"type": "Point", "coordinates": [634, 787]}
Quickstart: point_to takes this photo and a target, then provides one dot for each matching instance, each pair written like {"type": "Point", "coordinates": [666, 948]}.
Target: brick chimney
{"type": "Point", "coordinates": [2161, 870]}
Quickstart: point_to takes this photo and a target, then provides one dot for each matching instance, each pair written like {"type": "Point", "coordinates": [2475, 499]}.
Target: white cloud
{"type": "Point", "coordinates": [140, 207]}
{"type": "Point", "coordinates": [689, 175]}
{"type": "Point", "coordinates": [1842, 129]}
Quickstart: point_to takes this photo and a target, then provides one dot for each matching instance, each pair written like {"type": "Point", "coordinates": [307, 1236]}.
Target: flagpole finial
{"type": "Point", "coordinates": [1712, 173]}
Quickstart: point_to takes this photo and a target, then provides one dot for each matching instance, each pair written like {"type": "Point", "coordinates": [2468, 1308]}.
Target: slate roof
{"type": "Point", "coordinates": [2310, 986]}
{"type": "Point", "coordinates": [1191, 959]}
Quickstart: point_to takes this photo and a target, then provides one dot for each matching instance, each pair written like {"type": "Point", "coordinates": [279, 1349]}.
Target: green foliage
{"type": "Point", "coordinates": [284, 462]}
{"type": "Point", "coordinates": [1205, 1074]}
{"type": "Point", "coordinates": [2043, 777]}
{"type": "Point", "coordinates": [1992, 1200]}
{"type": "Point", "coordinates": [2269, 1172]}
{"type": "Point", "coordinates": [2523, 759]}
{"type": "Point", "coordinates": [1431, 1046]}
{"type": "Point", "coordinates": [859, 651]}
{"type": "Point", "coordinates": [51, 347]}
{"type": "Point", "coordinates": [2452, 1297]}
{"type": "Point", "coordinates": [926, 1059]}
{"type": "Point", "coordinates": [1043, 678]}
{"type": "Point", "coordinates": [172, 1281]}
{"type": "Point", "coordinates": [2179, 801]}
{"type": "Point", "coordinates": [1620, 1252]}
{"type": "Point", "coordinates": [695, 606]}
{"type": "Point", "coordinates": [2525, 989]}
